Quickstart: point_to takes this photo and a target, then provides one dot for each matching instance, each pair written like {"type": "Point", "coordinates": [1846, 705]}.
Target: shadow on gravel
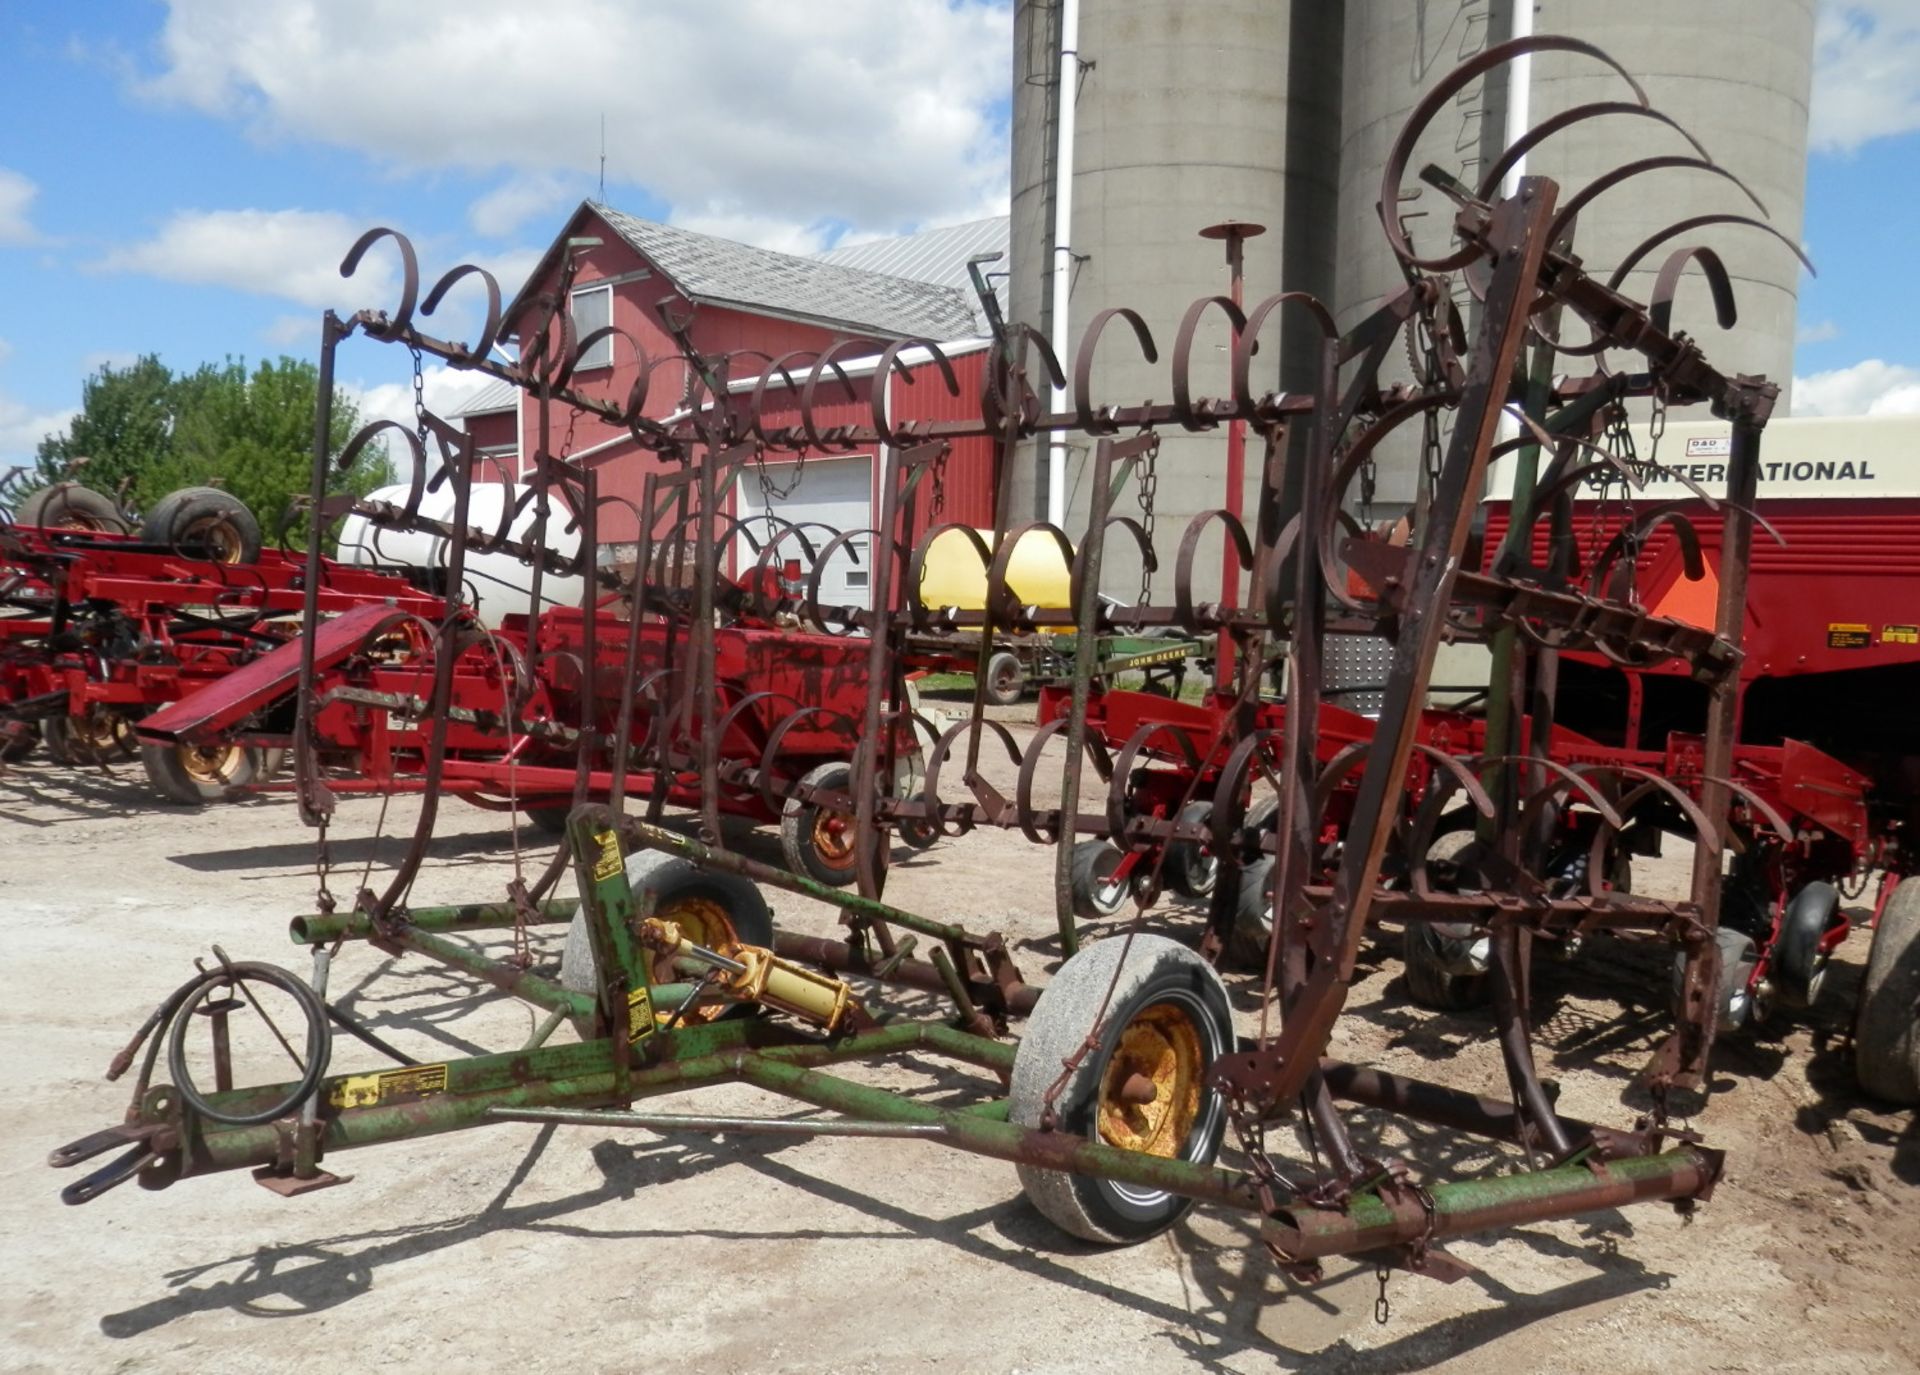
{"type": "Point", "coordinates": [312, 1276]}
{"type": "Point", "coordinates": [345, 851]}
{"type": "Point", "coordinates": [79, 793]}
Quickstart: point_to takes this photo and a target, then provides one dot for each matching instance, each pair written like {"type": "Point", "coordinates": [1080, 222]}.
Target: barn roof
{"type": "Point", "coordinates": [492, 399]}
{"type": "Point", "coordinates": [933, 255]}
{"type": "Point", "coordinates": [721, 272]}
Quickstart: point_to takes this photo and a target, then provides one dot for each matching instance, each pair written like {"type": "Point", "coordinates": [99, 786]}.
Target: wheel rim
{"type": "Point", "coordinates": [219, 534]}
{"type": "Point", "coordinates": [704, 922]}
{"type": "Point", "coordinates": [1006, 678]}
{"type": "Point", "coordinates": [214, 766]}
{"type": "Point", "coordinates": [833, 840]}
{"type": "Point", "coordinates": [96, 734]}
{"type": "Point", "coordinates": [1151, 1089]}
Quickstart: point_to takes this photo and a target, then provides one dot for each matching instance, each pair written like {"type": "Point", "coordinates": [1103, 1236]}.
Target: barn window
{"type": "Point", "coordinates": [593, 309]}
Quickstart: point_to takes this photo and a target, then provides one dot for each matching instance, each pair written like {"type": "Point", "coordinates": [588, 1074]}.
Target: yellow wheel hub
{"type": "Point", "coordinates": [1150, 1093]}
{"type": "Point", "coordinates": [214, 765]}
{"type": "Point", "coordinates": [704, 922]}
{"type": "Point", "coordinates": [219, 534]}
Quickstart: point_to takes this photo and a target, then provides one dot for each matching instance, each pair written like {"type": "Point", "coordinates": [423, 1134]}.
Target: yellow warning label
{"type": "Point", "coordinates": [639, 1015]}
{"type": "Point", "coordinates": [608, 864]}
{"type": "Point", "coordinates": [1847, 635]}
{"type": "Point", "coordinates": [1900, 634]}
{"type": "Point", "coordinates": [369, 1090]}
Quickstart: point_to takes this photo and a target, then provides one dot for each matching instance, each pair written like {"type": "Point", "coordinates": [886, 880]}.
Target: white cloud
{"type": "Point", "coordinates": [878, 113]}
{"type": "Point", "coordinates": [446, 390]}
{"type": "Point", "coordinates": [520, 198]}
{"type": "Point", "coordinates": [1820, 333]}
{"type": "Point", "coordinates": [16, 204]}
{"type": "Point", "coordinates": [743, 226]}
{"type": "Point", "coordinates": [1866, 73]}
{"type": "Point", "coordinates": [22, 428]}
{"type": "Point", "coordinates": [116, 359]}
{"type": "Point", "coordinates": [1871, 387]}
{"type": "Point", "coordinates": [293, 254]}
{"type": "Point", "coordinates": [289, 331]}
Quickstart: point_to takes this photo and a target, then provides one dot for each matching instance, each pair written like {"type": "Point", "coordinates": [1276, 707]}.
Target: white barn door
{"type": "Point", "coordinates": [836, 492]}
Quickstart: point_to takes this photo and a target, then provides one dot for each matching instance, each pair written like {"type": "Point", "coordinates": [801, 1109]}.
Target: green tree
{"type": "Point", "coordinates": [125, 424]}
{"type": "Point", "coordinates": [219, 426]}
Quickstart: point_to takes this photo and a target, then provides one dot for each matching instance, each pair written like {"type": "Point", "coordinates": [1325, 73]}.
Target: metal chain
{"type": "Point", "coordinates": [1382, 1309]}
{"type": "Point", "coordinates": [771, 491]}
{"type": "Point", "coordinates": [1149, 492]}
{"type": "Point", "coordinates": [940, 482]}
{"type": "Point", "coordinates": [419, 399]}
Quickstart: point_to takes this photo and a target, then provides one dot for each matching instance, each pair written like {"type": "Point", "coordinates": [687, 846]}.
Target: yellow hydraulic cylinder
{"type": "Point", "coordinates": [757, 975]}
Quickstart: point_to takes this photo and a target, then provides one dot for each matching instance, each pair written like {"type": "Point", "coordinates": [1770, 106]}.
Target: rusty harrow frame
{"type": "Point", "coordinates": [1514, 256]}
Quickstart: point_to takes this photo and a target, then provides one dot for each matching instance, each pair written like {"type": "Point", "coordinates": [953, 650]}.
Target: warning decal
{"type": "Point", "coordinates": [1900, 634]}
{"type": "Point", "coordinates": [1846, 635]}
{"type": "Point", "coordinates": [639, 1014]}
{"type": "Point", "coordinates": [369, 1090]}
{"type": "Point", "coordinates": [608, 864]}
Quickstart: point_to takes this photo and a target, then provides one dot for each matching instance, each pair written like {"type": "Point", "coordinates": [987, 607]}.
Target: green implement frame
{"type": "Point", "coordinates": [284, 1132]}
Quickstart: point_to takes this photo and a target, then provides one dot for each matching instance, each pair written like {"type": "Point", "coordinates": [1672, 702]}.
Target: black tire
{"type": "Point", "coordinates": [713, 909]}
{"type": "Point", "coordinates": [87, 742]}
{"type": "Point", "coordinates": [1799, 965]}
{"type": "Point", "coordinates": [919, 835]}
{"type": "Point", "coordinates": [14, 748]}
{"type": "Point", "coordinates": [550, 820]}
{"type": "Point", "coordinates": [1252, 917]}
{"type": "Point", "coordinates": [1095, 898]}
{"type": "Point", "coordinates": [194, 777]}
{"type": "Point", "coordinates": [818, 842]}
{"type": "Point", "coordinates": [1439, 968]}
{"type": "Point", "coordinates": [69, 506]}
{"type": "Point", "coordinates": [1734, 1007]}
{"type": "Point", "coordinates": [1175, 1004]}
{"type": "Point", "coordinates": [1192, 869]}
{"type": "Point", "coordinates": [1006, 680]}
{"type": "Point", "coordinates": [1886, 1042]}
{"type": "Point", "coordinates": [205, 517]}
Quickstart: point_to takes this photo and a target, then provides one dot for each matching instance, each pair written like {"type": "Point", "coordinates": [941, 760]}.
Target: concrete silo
{"type": "Point", "coordinates": [1735, 73]}
{"type": "Point", "coordinates": [1186, 113]}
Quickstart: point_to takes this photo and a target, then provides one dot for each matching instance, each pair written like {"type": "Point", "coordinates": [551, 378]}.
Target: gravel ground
{"type": "Point", "coordinates": [516, 1246]}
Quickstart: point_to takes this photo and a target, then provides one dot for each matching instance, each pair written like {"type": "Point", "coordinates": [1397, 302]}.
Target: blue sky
{"type": "Point", "coordinates": [181, 177]}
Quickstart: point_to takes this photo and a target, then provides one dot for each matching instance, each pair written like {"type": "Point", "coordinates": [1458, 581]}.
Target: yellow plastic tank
{"type": "Point", "coordinates": [954, 576]}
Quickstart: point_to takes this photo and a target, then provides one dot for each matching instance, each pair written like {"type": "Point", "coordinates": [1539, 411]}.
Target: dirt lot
{"type": "Point", "coordinates": [518, 1247]}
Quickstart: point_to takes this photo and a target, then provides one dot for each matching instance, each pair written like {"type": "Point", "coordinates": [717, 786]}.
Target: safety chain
{"type": "Point", "coordinates": [1382, 1309]}
{"type": "Point", "coordinates": [940, 481]}
{"type": "Point", "coordinates": [771, 491]}
{"type": "Point", "coordinates": [1149, 493]}
{"type": "Point", "coordinates": [419, 399]}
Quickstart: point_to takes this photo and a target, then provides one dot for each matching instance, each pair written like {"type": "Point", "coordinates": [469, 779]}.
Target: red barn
{"type": "Point", "coordinates": [754, 300]}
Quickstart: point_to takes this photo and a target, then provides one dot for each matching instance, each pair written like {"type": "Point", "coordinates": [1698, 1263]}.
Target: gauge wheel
{"type": "Point", "coordinates": [1886, 1039]}
{"type": "Point", "coordinates": [719, 911]}
{"type": "Point", "coordinates": [14, 748]}
{"type": "Point", "coordinates": [1192, 867]}
{"type": "Point", "coordinates": [193, 775]}
{"type": "Point", "coordinates": [1097, 894]}
{"type": "Point", "coordinates": [1799, 965]}
{"type": "Point", "coordinates": [69, 506]}
{"type": "Point", "coordinates": [1446, 969]}
{"type": "Point", "coordinates": [1158, 1018]}
{"type": "Point", "coordinates": [918, 833]}
{"type": "Point", "coordinates": [1252, 917]}
{"type": "Point", "coordinates": [207, 519]}
{"type": "Point", "coordinates": [818, 841]}
{"type": "Point", "coordinates": [99, 737]}
{"type": "Point", "coordinates": [1006, 681]}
